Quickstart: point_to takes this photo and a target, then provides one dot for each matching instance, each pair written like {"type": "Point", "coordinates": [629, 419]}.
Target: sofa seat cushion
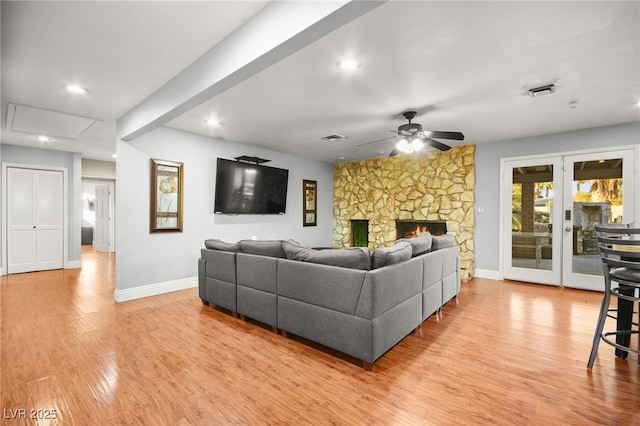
{"type": "Point", "coordinates": [216, 244]}
{"type": "Point", "coordinates": [352, 257]}
{"type": "Point", "coordinates": [399, 252]}
{"type": "Point", "coordinates": [271, 248]}
{"type": "Point", "coordinates": [420, 244]}
{"type": "Point", "coordinates": [442, 241]}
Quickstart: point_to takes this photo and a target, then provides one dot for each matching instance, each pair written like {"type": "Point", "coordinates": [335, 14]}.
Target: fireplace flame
{"type": "Point", "coordinates": [419, 230]}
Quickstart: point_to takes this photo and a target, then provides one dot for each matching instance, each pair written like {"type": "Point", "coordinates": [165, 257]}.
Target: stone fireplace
{"type": "Point", "coordinates": [413, 228]}
{"type": "Point", "coordinates": [434, 186]}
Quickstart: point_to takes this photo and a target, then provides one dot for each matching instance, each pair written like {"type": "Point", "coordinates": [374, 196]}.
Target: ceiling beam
{"type": "Point", "coordinates": [277, 31]}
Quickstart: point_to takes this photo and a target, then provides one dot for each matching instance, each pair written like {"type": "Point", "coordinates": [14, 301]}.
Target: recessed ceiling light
{"type": "Point", "coordinates": [114, 156]}
{"type": "Point", "coordinates": [74, 88]}
{"type": "Point", "coordinates": [349, 64]}
{"type": "Point", "coordinates": [43, 138]}
{"type": "Point", "coordinates": [212, 122]}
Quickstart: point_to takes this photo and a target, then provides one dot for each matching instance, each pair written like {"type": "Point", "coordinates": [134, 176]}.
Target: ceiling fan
{"type": "Point", "coordinates": [413, 138]}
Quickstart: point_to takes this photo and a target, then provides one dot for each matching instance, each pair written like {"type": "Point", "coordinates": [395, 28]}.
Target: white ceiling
{"type": "Point", "coordinates": [463, 66]}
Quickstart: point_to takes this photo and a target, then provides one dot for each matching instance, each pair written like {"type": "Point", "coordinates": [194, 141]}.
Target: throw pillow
{"type": "Point", "coordinates": [292, 248]}
{"type": "Point", "coordinates": [216, 244]}
{"type": "Point", "coordinates": [442, 241]}
{"type": "Point", "coordinates": [352, 257]}
{"type": "Point", "coordinates": [271, 248]}
{"type": "Point", "coordinates": [420, 244]}
{"type": "Point", "coordinates": [386, 256]}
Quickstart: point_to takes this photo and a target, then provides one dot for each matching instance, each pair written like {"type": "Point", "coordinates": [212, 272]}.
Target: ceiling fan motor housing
{"type": "Point", "coordinates": [410, 129]}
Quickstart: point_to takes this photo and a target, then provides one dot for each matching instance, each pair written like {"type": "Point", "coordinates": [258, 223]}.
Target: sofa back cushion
{"type": "Point", "coordinates": [399, 252]}
{"type": "Point", "coordinates": [352, 257]}
{"type": "Point", "coordinates": [442, 241]}
{"type": "Point", "coordinates": [271, 248]}
{"type": "Point", "coordinates": [216, 244]}
{"type": "Point", "coordinates": [420, 244]}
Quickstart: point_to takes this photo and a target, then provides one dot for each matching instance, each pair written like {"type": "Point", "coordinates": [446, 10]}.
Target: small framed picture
{"type": "Point", "coordinates": [166, 196]}
{"type": "Point", "coordinates": [309, 208]}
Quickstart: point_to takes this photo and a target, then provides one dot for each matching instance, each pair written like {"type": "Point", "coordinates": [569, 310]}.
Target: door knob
{"type": "Point", "coordinates": [568, 229]}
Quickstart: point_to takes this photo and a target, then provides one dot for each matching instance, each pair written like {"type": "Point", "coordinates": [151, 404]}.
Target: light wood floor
{"type": "Point", "coordinates": [507, 353]}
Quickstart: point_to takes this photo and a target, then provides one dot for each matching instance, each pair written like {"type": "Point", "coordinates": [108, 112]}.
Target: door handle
{"type": "Point", "coordinates": [568, 229]}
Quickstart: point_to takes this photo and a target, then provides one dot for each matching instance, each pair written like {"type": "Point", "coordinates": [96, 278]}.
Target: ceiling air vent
{"type": "Point", "coordinates": [332, 138]}
{"type": "Point", "coordinates": [547, 89]}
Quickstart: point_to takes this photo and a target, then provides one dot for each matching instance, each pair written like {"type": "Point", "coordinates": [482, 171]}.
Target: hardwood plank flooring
{"type": "Point", "coordinates": [507, 353]}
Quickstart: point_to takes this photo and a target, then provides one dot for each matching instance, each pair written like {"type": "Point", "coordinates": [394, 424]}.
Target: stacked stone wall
{"type": "Point", "coordinates": [431, 186]}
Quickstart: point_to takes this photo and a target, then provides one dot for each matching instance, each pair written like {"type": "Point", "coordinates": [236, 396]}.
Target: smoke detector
{"type": "Point", "coordinates": [547, 89]}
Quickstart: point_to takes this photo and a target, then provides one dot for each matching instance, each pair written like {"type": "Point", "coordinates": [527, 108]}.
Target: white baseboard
{"type": "Point", "coordinates": [488, 274]}
{"type": "Point", "coordinates": [68, 265]}
{"type": "Point", "coordinates": [154, 289]}
{"type": "Point", "coordinates": [73, 264]}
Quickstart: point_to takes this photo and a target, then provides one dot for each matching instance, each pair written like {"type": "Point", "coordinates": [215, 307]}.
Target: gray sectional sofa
{"type": "Point", "coordinates": [351, 300]}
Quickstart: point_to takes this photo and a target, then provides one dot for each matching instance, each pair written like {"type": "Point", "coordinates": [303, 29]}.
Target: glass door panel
{"type": "Point", "coordinates": [602, 189]}
{"type": "Point", "coordinates": [532, 251]}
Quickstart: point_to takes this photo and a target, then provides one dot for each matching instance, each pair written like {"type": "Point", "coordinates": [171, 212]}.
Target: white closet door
{"type": "Point", "coordinates": [50, 213]}
{"type": "Point", "coordinates": [35, 220]}
{"type": "Point", "coordinates": [21, 220]}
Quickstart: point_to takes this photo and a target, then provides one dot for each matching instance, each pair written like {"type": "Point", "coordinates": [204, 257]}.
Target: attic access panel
{"type": "Point", "coordinates": [37, 121]}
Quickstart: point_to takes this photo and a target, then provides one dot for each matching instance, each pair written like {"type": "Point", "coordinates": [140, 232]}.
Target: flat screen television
{"type": "Point", "coordinates": [245, 188]}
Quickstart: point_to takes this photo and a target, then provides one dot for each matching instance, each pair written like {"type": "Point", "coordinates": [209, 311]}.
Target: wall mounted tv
{"type": "Point", "coordinates": [245, 188]}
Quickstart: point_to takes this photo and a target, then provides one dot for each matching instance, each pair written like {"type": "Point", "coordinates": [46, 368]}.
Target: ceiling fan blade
{"type": "Point", "coordinates": [443, 135]}
{"type": "Point", "coordinates": [434, 143]}
{"type": "Point", "coordinates": [395, 151]}
{"type": "Point", "coordinates": [377, 140]}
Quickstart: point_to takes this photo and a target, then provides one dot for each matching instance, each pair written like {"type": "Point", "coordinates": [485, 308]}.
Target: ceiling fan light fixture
{"type": "Point", "coordinates": [417, 144]}
{"type": "Point", "coordinates": [403, 145]}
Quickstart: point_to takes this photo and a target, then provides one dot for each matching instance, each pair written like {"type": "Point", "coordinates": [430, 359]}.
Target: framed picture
{"type": "Point", "coordinates": [166, 196]}
{"type": "Point", "coordinates": [309, 208]}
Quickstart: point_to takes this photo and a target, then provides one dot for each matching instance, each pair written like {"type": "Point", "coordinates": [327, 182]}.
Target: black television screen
{"type": "Point", "coordinates": [250, 188]}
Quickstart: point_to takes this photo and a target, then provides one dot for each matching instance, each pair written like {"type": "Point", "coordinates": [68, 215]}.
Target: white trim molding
{"type": "Point", "coordinates": [73, 264]}
{"type": "Point", "coordinates": [128, 294]}
{"type": "Point", "coordinates": [488, 274]}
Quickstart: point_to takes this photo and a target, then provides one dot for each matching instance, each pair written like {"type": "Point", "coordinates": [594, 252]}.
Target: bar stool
{"type": "Point", "coordinates": [619, 247]}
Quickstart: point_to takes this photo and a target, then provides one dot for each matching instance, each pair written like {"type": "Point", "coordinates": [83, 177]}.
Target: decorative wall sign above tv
{"type": "Point", "coordinates": [166, 196]}
{"type": "Point", "coordinates": [310, 206]}
{"type": "Point", "coordinates": [245, 188]}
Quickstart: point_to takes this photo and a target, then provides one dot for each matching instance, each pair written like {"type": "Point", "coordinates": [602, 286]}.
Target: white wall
{"type": "Point", "coordinates": [94, 169]}
{"type": "Point", "coordinates": [49, 158]}
{"type": "Point", "coordinates": [487, 194]}
{"type": "Point", "coordinates": [149, 263]}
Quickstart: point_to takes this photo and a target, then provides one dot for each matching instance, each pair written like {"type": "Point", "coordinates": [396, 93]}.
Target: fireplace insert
{"type": "Point", "coordinates": [412, 228]}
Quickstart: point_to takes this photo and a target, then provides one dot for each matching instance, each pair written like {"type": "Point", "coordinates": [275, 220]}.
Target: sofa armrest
{"type": "Point", "coordinates": [220, 265]}
{"type": "Point", "coordinates": [202, 279]}
{"type": "Point", "coordinates": [387, 287]}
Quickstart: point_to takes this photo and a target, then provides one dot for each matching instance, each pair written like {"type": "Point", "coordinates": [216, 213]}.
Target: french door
{"type": "Point", "coordinates": [550, 209]}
